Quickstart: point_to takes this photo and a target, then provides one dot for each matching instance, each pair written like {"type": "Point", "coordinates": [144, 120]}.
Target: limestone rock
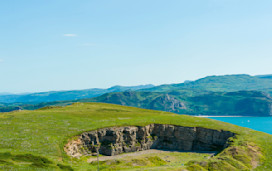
{"type": "Point", "coordinates": [117, 140]}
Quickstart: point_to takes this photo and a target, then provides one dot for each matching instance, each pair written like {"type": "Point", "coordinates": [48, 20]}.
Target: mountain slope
{"type": "Point", "coordinates": [192, 102]}
{"type": "Point", "coordinates": [207, 96]}
{"type": "Point", "coordinates": [227, 83]}
{"type": "Point", "coordinates": [64, 95]}
{"type": "Point", "coordinates": [147, 100]}
{"type": "Point", "coordinates": [245, 103]}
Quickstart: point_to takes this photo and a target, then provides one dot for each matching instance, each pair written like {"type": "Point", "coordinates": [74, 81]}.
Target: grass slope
{"type": "Point", "coordinates": [35, 139]}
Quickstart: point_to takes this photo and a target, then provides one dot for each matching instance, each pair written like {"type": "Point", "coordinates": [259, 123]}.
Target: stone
{"type": "Point", "coordinates": [117, 140]}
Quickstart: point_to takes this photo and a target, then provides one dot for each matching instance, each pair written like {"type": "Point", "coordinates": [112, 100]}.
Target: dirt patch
{"type": "Point", "coordinates": [134, 154]}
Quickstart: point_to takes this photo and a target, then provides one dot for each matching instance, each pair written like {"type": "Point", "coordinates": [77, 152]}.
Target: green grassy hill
{"type": "Point", "coordinates": [227, 83]}
{"type": "Point", "coordinates": [42, 97]}
{"type": "Point", "coordinates": [188, 101]}
{"type": "Point", "coordinates": [206, 96]}
{"type": "Point", "coordinates": [34, 140]}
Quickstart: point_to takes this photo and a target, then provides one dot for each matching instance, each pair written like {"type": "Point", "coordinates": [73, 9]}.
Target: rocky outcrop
{"type": "Point", "coordinates": [117, 140]}
{"type": "Point", "coordinates": [167, 103]}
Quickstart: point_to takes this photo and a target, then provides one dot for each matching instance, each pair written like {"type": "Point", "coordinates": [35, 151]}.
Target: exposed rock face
{"type": "Point", "coordinates": [117, 140]}
{"type": "Point", "coordinates": [167, 103]}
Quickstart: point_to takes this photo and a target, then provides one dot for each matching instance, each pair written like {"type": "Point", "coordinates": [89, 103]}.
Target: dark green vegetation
{"type": "Point", "coordinates": [36, 139]}
{"type": "Point", "coordinates": [214, 95]}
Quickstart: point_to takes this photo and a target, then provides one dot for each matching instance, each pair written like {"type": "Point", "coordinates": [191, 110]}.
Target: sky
{"type": "Point", "coordinates": [78, 44]}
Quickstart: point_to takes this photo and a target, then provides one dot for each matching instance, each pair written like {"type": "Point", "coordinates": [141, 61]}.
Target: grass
{"type": "Point", "coordinates": [42, 134]}
{"type": "Point", "coordinates": [152, 160]}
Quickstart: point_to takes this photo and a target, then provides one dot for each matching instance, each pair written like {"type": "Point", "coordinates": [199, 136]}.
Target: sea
{"type": "Point", "coordinates": [263, 124]}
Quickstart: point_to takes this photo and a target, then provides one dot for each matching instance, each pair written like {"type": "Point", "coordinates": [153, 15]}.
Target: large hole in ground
{"type": "Point", "coordinates": [116, 140]}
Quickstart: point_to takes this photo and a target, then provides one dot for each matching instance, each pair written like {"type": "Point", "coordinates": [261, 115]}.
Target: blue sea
{"type": "Point", "coordinates": [263, 124]}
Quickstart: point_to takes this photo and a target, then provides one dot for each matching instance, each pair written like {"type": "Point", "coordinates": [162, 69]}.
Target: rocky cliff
{"type": "Point", "coordinates": [167, 103]}
{"type": "Point", "coordinates": [117, 140]}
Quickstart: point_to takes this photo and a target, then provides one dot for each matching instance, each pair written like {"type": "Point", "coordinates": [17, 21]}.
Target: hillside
{"type": "Point", "coordinates": [36, 139]}
{"type": "Point", "coordinates": [213, 95]}
{"type": "Point", "coordinates": [242, 103]}
{"type": "Point", "coordinates": [192, 102]}
{"type": "Point", "coordinates": [34, 98]}
{"type": "Point", "coordinates": [227, 83]}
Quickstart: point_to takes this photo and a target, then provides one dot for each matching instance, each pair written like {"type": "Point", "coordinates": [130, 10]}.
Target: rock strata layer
{"type": "Point", "coordinates": [116, 140]}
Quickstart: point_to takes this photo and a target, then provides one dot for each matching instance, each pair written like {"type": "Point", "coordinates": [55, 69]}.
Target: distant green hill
{"type": "Point", "coordinates": [51, 96]}
{"type": "Point", "coordinates": [245, 103]}
{"type": "Point", "coordinates": [214, 95]}
{"type": "Point", "coordinates": [35, 140]}
{"type": "Point", "coordinates": [192, 102]}
{"type": "Point", "coordinates": [227, 83]}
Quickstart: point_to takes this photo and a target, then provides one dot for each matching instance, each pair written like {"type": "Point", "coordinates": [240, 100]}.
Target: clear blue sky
{"type": "Point", "coordinates": [78, 44]}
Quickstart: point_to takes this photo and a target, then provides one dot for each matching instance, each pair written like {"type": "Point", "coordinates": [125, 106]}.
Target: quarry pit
{"type": "Point", "coordinates": [117, 140]}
